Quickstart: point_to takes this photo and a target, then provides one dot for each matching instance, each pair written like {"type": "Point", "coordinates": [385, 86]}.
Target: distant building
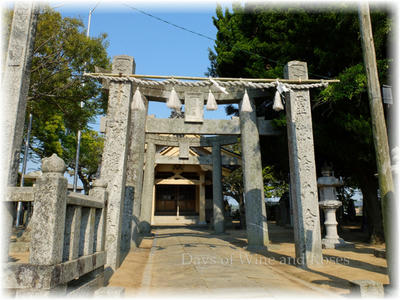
{"type": "Point", "coordinates": [30, 179]}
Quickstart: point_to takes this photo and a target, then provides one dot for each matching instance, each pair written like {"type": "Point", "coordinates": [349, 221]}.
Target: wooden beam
{"type": "Point", "coordinates": [177, 181]}
{"type": "Point", "coordinates": [182, 168]}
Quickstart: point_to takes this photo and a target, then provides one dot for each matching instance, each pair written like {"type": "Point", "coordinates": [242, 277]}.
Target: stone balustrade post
{"type": "Point", "coordinates": [50, 194]}
{"type": "Point", "coordinates": [87, 231]}
{"type": "Point", "coordinates": [99, 192]}
{"type": "Point", "coordinates": [72, 232]}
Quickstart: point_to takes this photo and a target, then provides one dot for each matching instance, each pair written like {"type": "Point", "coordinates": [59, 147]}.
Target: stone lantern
{"type": "Point", "coordinates": [328, 202]}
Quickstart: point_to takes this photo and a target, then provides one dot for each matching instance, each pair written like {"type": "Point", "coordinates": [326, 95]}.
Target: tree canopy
{"type": "Point", "coordinates": [62, 52]}
{"type": "Point", "coordinates": [257, 40]}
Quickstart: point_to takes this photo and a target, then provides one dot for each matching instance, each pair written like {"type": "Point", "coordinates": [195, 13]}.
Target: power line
{"type": "Point", "coordinates": [169, 23]}
{"type": "Point", "coordinates": [209, 38]}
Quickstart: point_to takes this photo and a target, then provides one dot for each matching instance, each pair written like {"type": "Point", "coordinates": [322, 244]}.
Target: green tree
{"type": "Point", "coordinates": [62, 53]}
{"type": "Point", "coordinates": [232, 185]}
{"type": "Point", "coordinates": [258, 40]}
{"type": "Point", "coordinates": [273, 187]}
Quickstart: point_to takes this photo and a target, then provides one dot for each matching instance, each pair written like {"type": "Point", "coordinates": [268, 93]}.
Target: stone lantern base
{"type": "Point", "coordinates": [335, 243]}
{"type": "Point", "coordinates": [332, 239]}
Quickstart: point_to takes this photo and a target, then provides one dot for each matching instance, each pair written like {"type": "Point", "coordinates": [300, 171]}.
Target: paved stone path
{"type": "Point", "coordinates": [195, 262]}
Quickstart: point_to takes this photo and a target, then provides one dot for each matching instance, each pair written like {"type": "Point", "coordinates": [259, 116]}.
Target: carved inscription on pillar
{"type": "Point", "coordinates": [194, 107]}
{"type": "Point", "coordinates": [305, 144]}
{"type": "Point", "coordinates": [302, 169]}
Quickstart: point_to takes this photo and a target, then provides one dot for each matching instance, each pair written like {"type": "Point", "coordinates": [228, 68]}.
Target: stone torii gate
{"type": "Point", "coordinates": [184, 143]}
{"type": "Point", "coordinates": [130, 146]}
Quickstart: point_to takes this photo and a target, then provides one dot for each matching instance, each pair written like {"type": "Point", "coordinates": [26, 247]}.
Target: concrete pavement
{"type": "Point", "coordinates": [187, 261]}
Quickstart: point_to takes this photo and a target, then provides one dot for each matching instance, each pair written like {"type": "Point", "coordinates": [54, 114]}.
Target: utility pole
{"type": "Point", "coordinates": [28, 135]}
{"type": "Point", "coordinates": [380, 138]}
{"type": "Point", "coordinates": [78, 146]}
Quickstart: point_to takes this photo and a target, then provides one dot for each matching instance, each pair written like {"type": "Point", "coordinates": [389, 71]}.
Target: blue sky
{"type": "Point", "coordinates": [158, 48]}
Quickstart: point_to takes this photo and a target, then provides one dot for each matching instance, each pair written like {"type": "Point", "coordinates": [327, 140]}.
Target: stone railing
{"type": "Point", "coordinates": [66, 254]}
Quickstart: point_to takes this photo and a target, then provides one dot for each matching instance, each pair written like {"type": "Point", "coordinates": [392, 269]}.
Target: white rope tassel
{"type": "Point", "coordinates": [211, 103]}
{"type": "Point", "coordinates": [280, 89]}
{"type": "Point", "coordinates": [137, 103]}
{"type": "Point", "coordinates": [222, 89]}
{"type": "Point", "coordinates": [277, 102]}
{"type": "Point", "coordinates": [173, 100]}
{"type": "Point", "coordinates": [246, 106]}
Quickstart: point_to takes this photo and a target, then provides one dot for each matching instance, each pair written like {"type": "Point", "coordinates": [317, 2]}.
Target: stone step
{"type": "Point", "coordinates": [175, 220]}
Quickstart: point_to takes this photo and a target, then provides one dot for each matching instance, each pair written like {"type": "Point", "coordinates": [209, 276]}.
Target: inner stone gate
{"type": "Point", "coordinates": [133, 138]}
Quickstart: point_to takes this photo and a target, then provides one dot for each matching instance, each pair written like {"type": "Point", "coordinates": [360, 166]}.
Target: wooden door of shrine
{"type": "Point", "coordinates": [175, 200]}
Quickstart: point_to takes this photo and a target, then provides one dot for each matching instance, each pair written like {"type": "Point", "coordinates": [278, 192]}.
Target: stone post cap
{"type": "Point", "coordinates": [100, 183]}
{"type": "Point", "coordinates": [53, 164]}
{"type": "Point", "coordinates": [123, 64]}
{"type": "Point", "coordinates": [296, 62]}
{"type": "Point", "coordinates": [295, 70]}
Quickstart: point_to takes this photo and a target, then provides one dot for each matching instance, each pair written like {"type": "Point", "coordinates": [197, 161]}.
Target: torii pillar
{"type": "Point", "coordinates": [134, 178]}
{"type": "Point", "coordinates": [114, 160]}
{"type": "Point", "coordinates": [256, 215]}
{"type": "Point", "coordinates": [15, 86]}
{"type": "Point", "coordinates": [218, 202]}
{"type": "Point", "coordinates": [303, 179]}
{"type": "Point", "coordinates": [147, 191]}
